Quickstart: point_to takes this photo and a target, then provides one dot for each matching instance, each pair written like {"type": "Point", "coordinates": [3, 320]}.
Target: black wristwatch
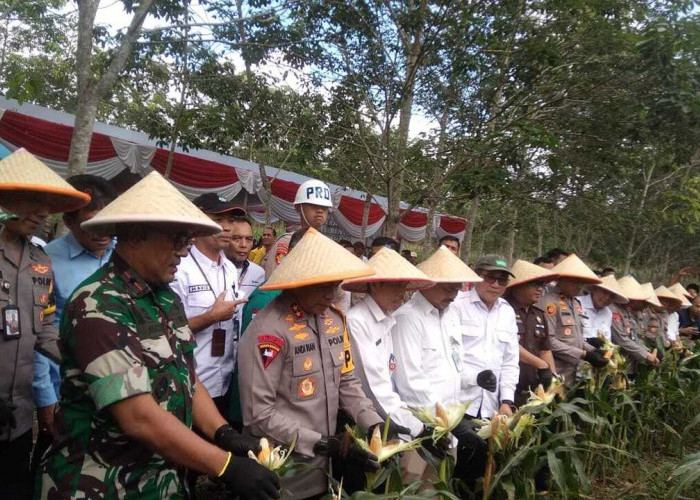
{"type": "Point", "coordinates": [510, 403]}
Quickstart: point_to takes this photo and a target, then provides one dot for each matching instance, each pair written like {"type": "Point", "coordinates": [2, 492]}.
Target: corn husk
{"type": "Point", "coordinates": [273, 458]}
{"type": "Point", "coordinates": [442, 419]}
{"type": "Point", "coordinates": [505, 431]}
{"type": "Point", "coordinates": [541, 397]}
{"type": "Point", "coordinates": [376, 445]}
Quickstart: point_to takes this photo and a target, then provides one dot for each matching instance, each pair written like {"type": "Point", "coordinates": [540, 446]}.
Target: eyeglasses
{"type": "Point", "coordinates": [182, 239]}
{"type": "Point", "coordinates": [538, 284]}
{"type": "Point", "coordinates": [495, 278]}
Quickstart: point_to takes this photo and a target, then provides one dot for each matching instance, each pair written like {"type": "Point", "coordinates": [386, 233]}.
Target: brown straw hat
{"type": "Point", "coordinates": [631, 288]}
{"type": "Point", "coordinates": [664, 293]}
{"type": "Point", "coordinates": [684, 301]}
{"type": "Point", "coordinates": [525, 272]}
{"type": "Point", "coordinates": [389, 266]}
{"type": "Point", "coordinates": [679, 289]}
{"type": "Point", "coordinates": [610, 284]}
{"type": "Point", "coordinates": [314, 260]}
{"type": "Point", "coordinates": [23, 176]}
{"type": "Point", "coordinates": [152, 200]}
{"type": "Point", "coordinates": [445, 267]}
{"type": "Point", "coordinates": [574, 268]}
{"type": "Point", "coordinates": [651, 297]}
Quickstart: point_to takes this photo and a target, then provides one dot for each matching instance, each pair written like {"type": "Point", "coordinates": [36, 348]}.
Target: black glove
{"type": "Point", "coordinates": [472, 451]}
{"type": "Point", "coordinates": [596, 358]}
{"type": "Point", "coordinates": [545, 376]}
{"type": "Point", "coordinates": [437, 449]}
{"type": "Point", "coordinates": [227, 438]}
{"type": "Point", "coordinates": [487, 380]}
{"type": "Point", "coordinates": [393, 432]}
{"type": "Point", "coordinates": [7, 416]}
{"type": "Point", "coordinates": [596, 342]}
{"type": "Point", "coordinates": [247, 480]}
{"type": "Point", "coordinates": [343, 447]}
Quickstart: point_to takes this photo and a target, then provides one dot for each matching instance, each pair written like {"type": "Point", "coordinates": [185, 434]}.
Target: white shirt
{"type": "Point", "coordinates": [370, 330]}
{"type": "Point", "coordinates": [250, 279]}
{"type": "Point", "coordinates": [427, 347]}
{"type": "Point", "coordinates": [197, 296]}
{"type": "Point", "coordinates": [597, 320]}
{"type": "Point", "coordinates": [672, 326]}
{"type": "Point", "coordinates": [489, 342]}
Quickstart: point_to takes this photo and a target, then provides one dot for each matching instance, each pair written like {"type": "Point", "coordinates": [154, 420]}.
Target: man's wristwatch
{"type": "Point", "coordinates": [510, 403]}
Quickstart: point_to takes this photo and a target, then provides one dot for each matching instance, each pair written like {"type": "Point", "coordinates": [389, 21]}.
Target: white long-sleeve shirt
{"type": "Point", "coordinates": [672, 326]}
{"type": "Point", "coordinates": [370, 330]}
{"type": "Point", "coordinates": [427, 347]}
{"type": "Point", "coordinates": [597, 320]}
{"type": "Point", "coordinates": [489, 342]}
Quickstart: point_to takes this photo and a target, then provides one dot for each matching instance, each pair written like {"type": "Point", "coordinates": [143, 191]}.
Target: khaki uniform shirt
{"type": "Point", "coordinates": [295, 372]}
{"type": "Point", "coordinates": [274, 257]}
{"type": "Point", "coordinates": [565, 324]}
{"type": "Point", "coordinates": [625, 333]}
{"type": "Point", "coordinates": [25, 284]}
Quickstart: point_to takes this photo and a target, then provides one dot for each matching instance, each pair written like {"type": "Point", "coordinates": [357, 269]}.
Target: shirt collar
{"type": "Point", "coordinates": [75, 248]}
{"type": "Point", "coordinates": [135, 284]}
{"type": "Point", "coordinates": [206, 261]}
{"type": "Point", "coordinates": [423, 305]}
{"type": "Point", "coordinates": [375, 310]}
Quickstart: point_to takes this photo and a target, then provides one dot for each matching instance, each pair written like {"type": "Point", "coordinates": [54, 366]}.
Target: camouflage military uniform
{"type": "Point", "coordinates": [120, 338]}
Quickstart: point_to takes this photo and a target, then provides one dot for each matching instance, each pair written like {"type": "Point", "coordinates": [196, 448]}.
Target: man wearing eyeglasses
{"type": "Point", "coordinates": [207, 283]}
{"type": "Point", "coordinates": [489, 342]}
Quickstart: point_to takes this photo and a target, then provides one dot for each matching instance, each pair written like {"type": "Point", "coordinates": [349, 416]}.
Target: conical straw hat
{"type": "Point", "coordinates": [684, 301]}
{"type": "Point", "coordinates": [525, 272]}
{"type": "Point", "coordinates": [610, 284]}
{"type": "Point", "coordinates": [651, 297]}
{"type": "Point", "coordinates": [631, 288]}
{"type": "Point", "coordinates": [664, 293]}
{"type": "Point", "coordinates": [679, 289]}
{"type": "Point", "coordinates": [445, 267]}
{"type": "Point", "coordinates": [389, 266]}
{"type": "Point", "coordinates": [573, 267]}
{"type": "Point", "coordinates": [152, 200]}
{"type": "Point", "coordinates": [23, 176]}
{"type": "Point", "coordinates": [316, 259]}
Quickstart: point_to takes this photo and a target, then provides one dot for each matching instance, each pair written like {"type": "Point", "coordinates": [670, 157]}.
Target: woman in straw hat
{"type": "Point", "coordinates": [296, 366]}
{"type": "Point", "coordinates": [131, 396]}
{"type": "Point", "coordinates": [625, 328]}
{"type": "Point", "coordinates": [565, 319]}
{"type": "Point", "coordinates": [596, 306]}
{"type": "Point", "coordinates": [525, 290]}
{"type": "Point", "coordinates": [370, 323]}
{"type": "Point", "coordinates": [30, 191]}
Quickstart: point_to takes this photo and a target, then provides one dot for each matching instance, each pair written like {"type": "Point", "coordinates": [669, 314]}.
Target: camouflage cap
{"type": "Point", "coordinates": [492, 262]}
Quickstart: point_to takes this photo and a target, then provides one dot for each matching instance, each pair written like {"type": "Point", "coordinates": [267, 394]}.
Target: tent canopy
{"type": "Point", "coordinates": [47, 134]}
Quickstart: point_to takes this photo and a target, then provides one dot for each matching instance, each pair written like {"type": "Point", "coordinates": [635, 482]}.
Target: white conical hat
{"type": "Point", "coordinates": [445, 267]}
{"type": "Point", "coordinates": [389, 266]}
{"type": "Point", "coordinates": [152, 200]}
{"type": "Point", "coordinates": [573, 267]}
{"type": "Point", "coordinates": [524, 272]}
{"type": "Point", "coordinates": [316, 259]}
{"type": "Point", "coordinates": [664, 293]}
{"type": "Point", "coordinates": [684, 301]}
{"type": "Point", "coordinates": [610, 284]}
{"type": "Point", "coordinates": [631, 288]}
{"type": "Point", "coordinates": [22, 175]}
{"type": "Point", "coordinates": [679, 289]}
{"type": "Point", "coordinates": [651, 297]}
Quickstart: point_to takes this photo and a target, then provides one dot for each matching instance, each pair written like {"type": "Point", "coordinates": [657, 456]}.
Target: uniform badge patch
{"type": "Point", "coordinates": [307, 364]}
{"type": "Point", "coordinates": [328, 321]}
{"type": "Point", "coordinates": [296, 327]}
{"type": "Point", "coordinates": [332, 330]}
{"type": "Point", "coordinates": [301, 336]}
{"type": "Point", "coordinates": [40, 268]}
{"type": "Point", "coordinates": [269, 347]}
{"type": "Point", "coordinates": [617, 316]}
{"type": "Point", "coordinates": [551, 309]}
{"type": "Point", "coordinates": [43, 299]}
{"type": "Point", "coordinates": [306, 387]}
{"type": "Point", "coordinates": [289, 318]}
{"type": "Point", "coordinates": [392, 363]}
{"type": "Point", "coordinates": [297, 312]}
{"type": "Point", "coordinates": [567, 331]}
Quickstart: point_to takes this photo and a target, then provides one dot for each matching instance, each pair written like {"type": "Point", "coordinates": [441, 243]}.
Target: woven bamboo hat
{"type": "Point", "coordinates": [525, 272]}
{"type": "Point", "coordinates": [316, 259]}
{"type": "Point", "coordinates": [389, 266]}
{"type": "Point", "coordinates": [574, 268]}
{"type": "Point", "coordinates": [610, 284]}
{"type": "Point", "coordinates": [631, 288]}
{"type": "Point", "coordinates": [664, 293]}
{"type": "Point", "coordinates": [152, 200]}
{"type": "Point", "coordinates": [651, 297]}
{"type": "Point", "coordinates": [445, 267]}
{"type": "Point", "coordinates": [679, 289]}
{"type": "Point", "coordinates": [684, 301]}
{"type": "Point", "coordinates": [23, 176]}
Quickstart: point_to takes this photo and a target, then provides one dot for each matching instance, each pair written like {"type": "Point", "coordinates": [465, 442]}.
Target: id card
{"type": "Point", "coordinates": [218, 342]}
{"type": "Point", "coordinates": [10, 323]}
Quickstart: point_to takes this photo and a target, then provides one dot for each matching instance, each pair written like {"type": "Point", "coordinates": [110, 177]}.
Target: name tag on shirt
{"type": "Point", "coordinates": [198, 288]}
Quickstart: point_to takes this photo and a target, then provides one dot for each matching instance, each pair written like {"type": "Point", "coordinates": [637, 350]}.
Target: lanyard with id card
{"type": "Point", "coordinates": [218, 335]}
{"type": "Point", "coordinates": [11, 329]}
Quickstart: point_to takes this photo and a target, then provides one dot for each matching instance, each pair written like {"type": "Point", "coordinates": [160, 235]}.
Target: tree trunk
{"type": "Point", "coordinates": [365, 216]}
{"type": "Point", "coordinates": [635, 226]}
{"type": "Point", "coordinates": [469, 230]}
{"type": "Point", "coordinates": [429, 229]}
{"type": "Point", "coordinates": [512, 230]}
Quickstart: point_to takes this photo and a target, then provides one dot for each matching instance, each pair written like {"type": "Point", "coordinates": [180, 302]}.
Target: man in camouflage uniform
{"type": "Point", "coordinates": [130, 396]}
{"type": "Point", "coordinates": [626, 329]}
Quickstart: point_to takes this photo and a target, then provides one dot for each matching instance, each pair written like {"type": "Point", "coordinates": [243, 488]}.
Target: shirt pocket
{"type": "Point", "coordinates": [306, 371]}
{"type": "Point", "coordinates": [41, 301]}
{"type": "Point", "coordinates": [156, 351]}
{"type": "Point", "coordinates": [200, 300]}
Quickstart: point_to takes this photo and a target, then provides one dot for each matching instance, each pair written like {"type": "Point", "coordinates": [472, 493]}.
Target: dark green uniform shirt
{"type": "Point", "coordinates": [120, 338]}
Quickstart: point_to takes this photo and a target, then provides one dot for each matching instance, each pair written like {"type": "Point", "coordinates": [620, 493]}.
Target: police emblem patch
{"type": "Point", "coordinates": [551, 309]}
{"type": "Point", "coordinates": [307, 364]}
{"type": "Point", "coordinates": [306, 387]}
{"type": "Point", "coordinates": [269, 347]}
